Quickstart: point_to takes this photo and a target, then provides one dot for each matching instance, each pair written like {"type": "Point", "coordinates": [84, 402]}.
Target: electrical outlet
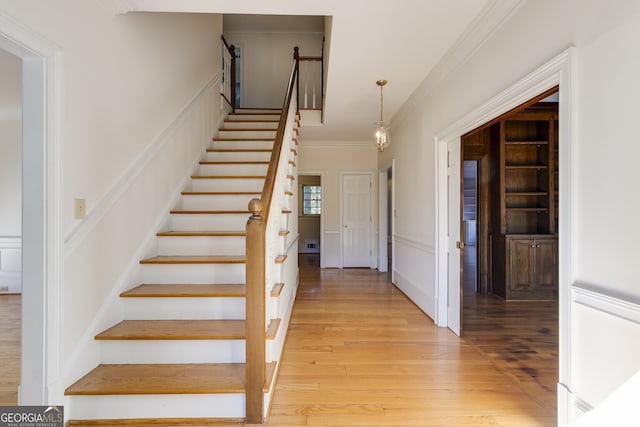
{"type": "Point", "coordinates": [80, 208]}
{"type": "Point", "coordinates": [4, 289]}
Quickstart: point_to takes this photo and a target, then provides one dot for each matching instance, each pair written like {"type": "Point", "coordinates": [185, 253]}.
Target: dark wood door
{"type": "Point", "coordinates": [544, 264]}
{"type": "Point", "coordinates": [520, 265]}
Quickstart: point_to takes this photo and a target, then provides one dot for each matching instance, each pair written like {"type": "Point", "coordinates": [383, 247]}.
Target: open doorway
{"type": "Point", "coordinates": [386, 221]}
{"type": "Point", "coordinates": [515, 317]}
{"type": "Point", "coordinates": [309, 219]}
{"type": "Point", "coordinates": [469, 226]}
{"type": "Point", "coordinates": [10, 225]}
{"type": "Point", "coordinates": [41, 231]}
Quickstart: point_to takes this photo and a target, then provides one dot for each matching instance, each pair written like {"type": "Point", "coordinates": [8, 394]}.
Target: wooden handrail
{"type": "Point", "coordinates": [267, 191]}
{"type": "Point", "coordinates": [232, 51]}
{"type": "Point", "coordinates": [311, 58]}
{"type": "Point", "coordinates": [232, 78]}
{"type": "Point", "coordinates": [256, 252]}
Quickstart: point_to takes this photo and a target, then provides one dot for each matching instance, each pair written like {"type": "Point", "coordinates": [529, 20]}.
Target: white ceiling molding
{"type": "Point", "coordinates": [488, 21]}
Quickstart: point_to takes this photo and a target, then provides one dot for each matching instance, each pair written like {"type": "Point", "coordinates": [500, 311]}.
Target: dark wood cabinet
{"type": "Point", "coordinates": [525, 266]}
{"type": "Point", "coordinates": [524, 230]}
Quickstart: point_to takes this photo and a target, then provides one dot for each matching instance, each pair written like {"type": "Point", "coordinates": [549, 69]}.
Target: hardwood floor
{"type": "Point", "coordinates": [10, 333]}
{"type": "Point", "coordinates": [360, 353]}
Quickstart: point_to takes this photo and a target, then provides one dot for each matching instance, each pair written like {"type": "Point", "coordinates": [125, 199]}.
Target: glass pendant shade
{"type": "Point", "coordinates": [382, 135]}
{"type": "Point", "coordinates": [381, 128]}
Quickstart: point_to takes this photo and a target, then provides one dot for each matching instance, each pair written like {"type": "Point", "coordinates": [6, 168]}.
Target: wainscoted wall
{"type": "Point", "coordinates": [10, 265]}
{"type": "Point", "coordinates": [606, 348]}
{"type": "Point", "coordinates": [413, 263]}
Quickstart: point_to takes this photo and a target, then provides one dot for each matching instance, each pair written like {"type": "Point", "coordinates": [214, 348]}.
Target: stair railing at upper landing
{"type": "Point", "coordinates": [228, 73]}
{"type": "Point", "coordinates": [268, 218]}
{"type": "Point", "coordinates": [311, 94]}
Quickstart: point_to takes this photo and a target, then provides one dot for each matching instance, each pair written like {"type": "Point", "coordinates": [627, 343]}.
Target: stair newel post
{"type": "Point", "coordinates": [296, 59]}
{"type": "Point", "coordinates": [255, 313]}
{"type": "Point", "coordinates": [232, 51]}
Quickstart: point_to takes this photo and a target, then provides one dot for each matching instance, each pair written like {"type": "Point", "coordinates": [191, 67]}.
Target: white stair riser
{"type": "Point", "coordinates": [234, 169]}
{"type": "Point", "coordinates": [233, 156]}
{"type": "Point", "coordinates": [234, 117]}
{"type": "Point", "coordinates": [242, 144]}
{"type": "Point", "coordinates": [243, 123]}
{"type": "Point", "coordinates": [185, 308]}
{"type": "Point", "coordinates": [208, 222]}
{"type": "Point", "coordinates": [247, 134]}
{"type": "Point", "coordinates": [222, 184]}
{"type": "Point", "coordinates": [156, 406]}
{"type": "Point", "coordinates": [172, 351]}
{"type": "Point", "coordinates": [193, 273]}
{"type": "Point", "coordinates": [200, 245]}
{"type": "Point", "coordinates": [216, 202]}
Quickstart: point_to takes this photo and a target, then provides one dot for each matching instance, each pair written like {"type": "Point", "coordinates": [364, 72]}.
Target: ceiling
{"type": "Point", "coordinates": [397, 40]}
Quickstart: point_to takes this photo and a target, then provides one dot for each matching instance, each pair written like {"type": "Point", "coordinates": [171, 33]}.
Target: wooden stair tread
{"type": "Point", "coordinates": [277, 289]}
{"type": "Point", "coordinates": [175, 330]}
{"type": "Point", "coordinates": [210, 212]}
{"type": "Point", "coordinates": [251, 121]}
{"type": "Point", "coordinates": [186, 290]}
{"type": "Point", "coordinates": [220, 193]}
{"type": "Point", "coordinates": [172, 378]}
{"type": "Point", "coordinates": [249, 129]}
{"type": "Point", "coordinates": [239, 150]}
{"type": "Point", "coordinates": [281, 259]}
{"type": "Point", "coordinates": [195, 259]}
{"type": "Point", "coordinates": [210, 329]}
{"type": "Point", "coordinates": [201, 234]}
{"type": "Point", "coordinates": [243, 139]}
{"type": "Point", "coordinates": [235, 163]}
{"type": "Point", "coordinates": [159, 422]}
{"type": "Point", "coordinates": [228, 177]}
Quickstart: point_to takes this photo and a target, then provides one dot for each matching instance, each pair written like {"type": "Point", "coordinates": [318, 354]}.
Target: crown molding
{"type": "Point", "coordinates": [492, 17]}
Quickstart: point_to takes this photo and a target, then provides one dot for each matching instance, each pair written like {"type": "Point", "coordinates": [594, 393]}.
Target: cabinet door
{"type": "Point", "coordinates": [545, 269]}
{"type": "Point", "coordinates": [520, 265]}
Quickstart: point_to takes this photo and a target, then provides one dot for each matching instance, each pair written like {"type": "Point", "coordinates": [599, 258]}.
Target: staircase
{"type": "Point", "coordinates": [178, 357]}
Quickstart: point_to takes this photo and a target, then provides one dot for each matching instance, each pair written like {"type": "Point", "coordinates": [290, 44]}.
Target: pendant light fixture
{"type": "Point", "coordinates": [381, 128]}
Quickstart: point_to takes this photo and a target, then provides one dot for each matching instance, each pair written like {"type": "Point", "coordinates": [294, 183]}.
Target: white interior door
{"type": "Point", "coordinates": [454, 266]}
{"type": "Point", "coordinates": [356, 220]}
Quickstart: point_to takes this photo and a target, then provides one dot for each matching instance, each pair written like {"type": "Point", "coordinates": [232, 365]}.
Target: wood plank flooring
{"type": "Point", "coordinates": [10, 334]}
{"type": "Point", "coordinates": [359, 353]}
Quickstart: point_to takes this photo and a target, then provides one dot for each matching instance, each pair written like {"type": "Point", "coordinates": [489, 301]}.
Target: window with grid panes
{"type": "Point", "coordinates": [311, 199]}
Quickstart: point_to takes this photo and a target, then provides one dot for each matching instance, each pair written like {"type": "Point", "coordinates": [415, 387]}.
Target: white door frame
{"type": "Point", "coordinates": [40, 382]}
{"type": "Point", "coordinates": [373, 256]}
{"type": "Point", "coordinates": [386, 197]}
{"type": "Point", "coordinates": [322, 209]}
{"type": "Point", "coordinates": [557, 71]}
{"type": "Point", "coordinates": [454, 235]}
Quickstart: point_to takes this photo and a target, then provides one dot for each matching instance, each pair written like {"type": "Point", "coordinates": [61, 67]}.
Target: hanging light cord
{"type": "Point", "coordinates": [381, 83]}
